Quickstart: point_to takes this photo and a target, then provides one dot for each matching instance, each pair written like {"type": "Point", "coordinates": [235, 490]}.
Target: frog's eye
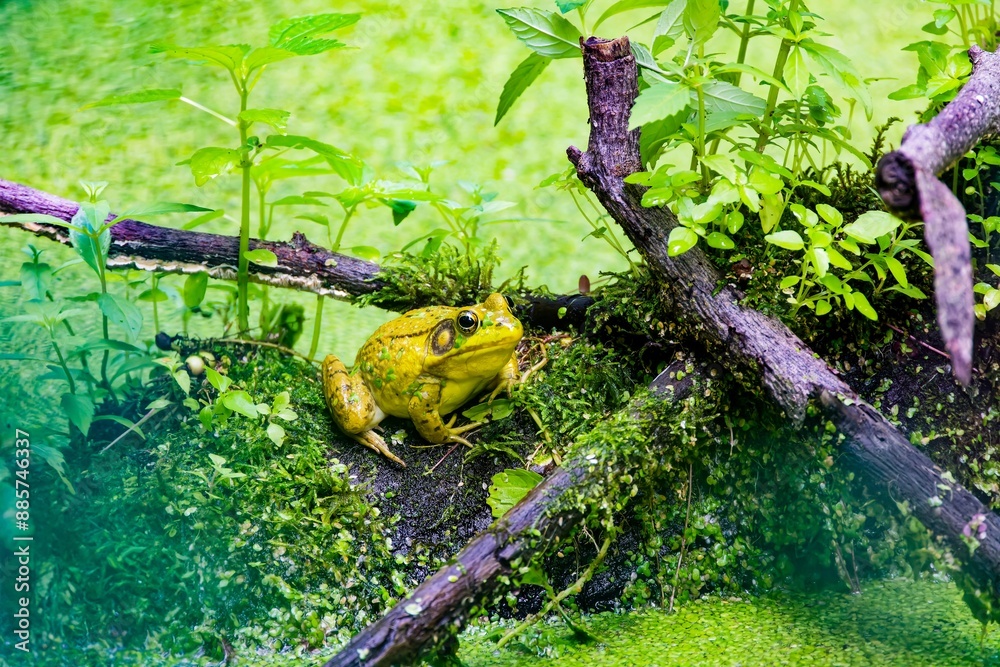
{"type": "Point", "coordinates": [468, 322]}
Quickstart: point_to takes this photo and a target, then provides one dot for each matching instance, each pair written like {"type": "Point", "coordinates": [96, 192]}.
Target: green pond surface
{"type": "Point", "coordinates": [896, 622]}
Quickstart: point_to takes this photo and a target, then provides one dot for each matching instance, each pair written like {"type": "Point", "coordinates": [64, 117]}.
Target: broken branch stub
{"type": "Point", "coordinates": [907, 181]}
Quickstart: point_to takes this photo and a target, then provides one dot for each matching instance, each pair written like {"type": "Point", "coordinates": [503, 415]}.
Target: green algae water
{"type": "Point", "coordinates": [896, 622]}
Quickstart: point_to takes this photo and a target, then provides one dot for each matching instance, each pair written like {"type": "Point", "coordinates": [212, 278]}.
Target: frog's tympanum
{"type": "Point", "coordinates": [423, 365]}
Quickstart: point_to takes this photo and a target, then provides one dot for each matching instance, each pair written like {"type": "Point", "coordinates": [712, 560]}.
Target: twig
{"type": "Point", "coordinates": [680, 556]}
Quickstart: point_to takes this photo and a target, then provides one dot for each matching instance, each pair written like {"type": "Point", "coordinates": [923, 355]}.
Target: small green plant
{"type": "Point", "coordinates": [818, 286]}
{"type": "Point", "coordinates": [990, 294]}
{"type": "Point", "coordinates": [944, 65]}
{"type": "Point", "coordinates": [122, 360]}
{"type": "Point", "coordinates": [290, 38]}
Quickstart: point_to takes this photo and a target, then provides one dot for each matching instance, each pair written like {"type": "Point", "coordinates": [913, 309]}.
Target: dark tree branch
{"type": "Point", "coordinates": [301, 264]}
{"type": "Point", "coordinates": [907, 180]}
{"type": "Point", "coordinates": [756, 347]}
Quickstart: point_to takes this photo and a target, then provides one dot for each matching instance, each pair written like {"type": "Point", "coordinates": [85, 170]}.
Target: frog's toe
{"type": "Point", "coordinates": [457, 438]}
{"type": "Point", "coordinates": [373, 441]}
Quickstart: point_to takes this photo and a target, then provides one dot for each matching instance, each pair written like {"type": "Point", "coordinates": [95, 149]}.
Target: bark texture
{"type": "Point", "coordinates": [907, 180]}
{"type": "Point", "coordinates": [754, 345]}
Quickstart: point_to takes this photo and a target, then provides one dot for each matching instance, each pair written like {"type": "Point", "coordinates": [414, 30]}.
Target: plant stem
{"type": "Point", "coordinates": [156, 312]}
{"type": "Point", "coordinates": [343, 228]}
{"type": "Point", "coordinates": [62, 363]}
{"type": "Point", "coordinates": [243, 273]}
{"type": "Point", "coordinates": [573, 589]}
{"type": "Point", "coordinates": [317, 324]}
{"type": "Point", "coordinates": [772, 96]}
{"type": "Point", "coordinates": [102, 274]}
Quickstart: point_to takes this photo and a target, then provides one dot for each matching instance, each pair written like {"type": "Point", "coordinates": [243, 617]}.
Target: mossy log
{"type": "Point", "coordinates": [756, 347]}
{"type": "Point", "coordinates": [907, 181]}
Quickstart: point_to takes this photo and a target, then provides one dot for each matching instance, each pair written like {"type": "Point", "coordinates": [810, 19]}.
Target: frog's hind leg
{"type": "Point", "coordinates": [353, 406]}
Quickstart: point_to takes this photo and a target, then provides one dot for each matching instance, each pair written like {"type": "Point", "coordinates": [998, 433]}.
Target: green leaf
{"type": "Point", "coordinates": [228, 57]}
{"type": "Point", "coordinates": [195, 286]}
{"type": "Point", "coordinates": [262, 256]}
{"type": "Point", "coordinates": [764, 182]}
{"type": "Point", "coordinates": [722, 97]}
{"type": "Point", "coordinates": [183, 381]}
{"type": "Point", "coordinates": [838, 66]}
{"type": "Point", "coordinates": [122, 312]}
{"type": "Point", "coordinates": [276, 118]}
{"type": "Point", "coordinates": [992, 299]}
{"type": "Point", "coordinates": [209, 163]}
{"type": "Point", "coordinates": [871, 225]}
{"type": "Point", "coordinates": [720, 241]}
{"type": "Point", "coordinates": [830, 214]}
{"type": "Point", "coordinates": [239, 401]}
{"type": "Point", "coordinates": [701, 19]}
{"type": "Point", "coordinates": [522, 77]}
{"type": "Point", "coordinates": [897, 270]}
{"type": "Point", "coordinates": [788, 281]}
{"type": "Point", "coordinates": [35, 279]}
{"type": "Point", "coordinates": [680, 241]}
{"type": "Point", "coordinates": [401, 208]}
{"type": "Point", "coordinates": [658, 102]}
{"type": "Point", "coordinates": [823, 307]}
{"type": "Point", "coordinates": [265, 55]}
{"type": "Point", "coordinates": [771, 209]}
{"type": "Point", "coordinates": [566, 6]}
{"type": "Point", "coordinates": [276, 433]}
{"type": "Point", "coordinates": [624, 6]}
{"type": "Point", "coordinates": [157, 208]}
{"type": "Point", "coordinates": [509, 487]}
{"type": "Point", "coordinates": [349, 167]}
{"type": "Point", "coordinates": [127, 423]}
{"type": "Point", "coordinates": [498, 409]}
{"type": "Point", "coordinates": [669, 27]}
{"type": "Point", "coordinates": [202, 219]}
{"type": "Point", "coordinates": [796, 75]}
{"type": "Point", "coordinates": [217, 379]}
{"type": "Point", "coordinates": [138, 97]}
{"type": "Point", "coordinates": [838, 260]}
{"type": "Point", "coordinates": [300, 35]}
{"type": "Point", "coordinates": [366, 252]}
{"type": "Point", "coordinates": [820, 260]}
{"type": "Point", "coordinates": [45, 219]}
{"type": "Point", "coordinates": [89, 218]}
{"type": "Point", "coordinates": [80, 410]}
{"type": "Point", "coordinates": [862, 306]}
{"type": "Point", "coordinates": [546, 33]}
{"type": "Point", "coordinates": [788, 239]}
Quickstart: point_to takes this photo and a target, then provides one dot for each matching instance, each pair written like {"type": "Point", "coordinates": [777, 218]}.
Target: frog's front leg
{"type": "Point", "coordinates": [508, 376]}
{"type": "Point", "coordinates": [423, 408]}
{"type": "Point", "coordinates": [353, 407]}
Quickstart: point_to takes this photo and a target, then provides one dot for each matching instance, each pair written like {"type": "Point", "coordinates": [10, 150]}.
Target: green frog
{"type": "Point", "coordinates": [422, 366]}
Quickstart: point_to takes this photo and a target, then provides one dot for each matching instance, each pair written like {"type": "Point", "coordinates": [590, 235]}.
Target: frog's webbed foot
{"type": "Point", "coordinates": [374, 441]}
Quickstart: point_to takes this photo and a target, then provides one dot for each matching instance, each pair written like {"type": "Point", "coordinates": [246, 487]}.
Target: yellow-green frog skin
{"type": "Point", "coordinates": [422, 366]}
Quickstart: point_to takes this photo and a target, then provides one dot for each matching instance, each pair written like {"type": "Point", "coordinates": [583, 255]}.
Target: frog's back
{"type": "Point", "coordinates": [392, 359]}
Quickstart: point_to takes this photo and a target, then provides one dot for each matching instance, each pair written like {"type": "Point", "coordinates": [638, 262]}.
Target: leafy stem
{"type": "Point", "coordinates": [772, 96]}
{"type": "Point", "coordinates": [242, 275]}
